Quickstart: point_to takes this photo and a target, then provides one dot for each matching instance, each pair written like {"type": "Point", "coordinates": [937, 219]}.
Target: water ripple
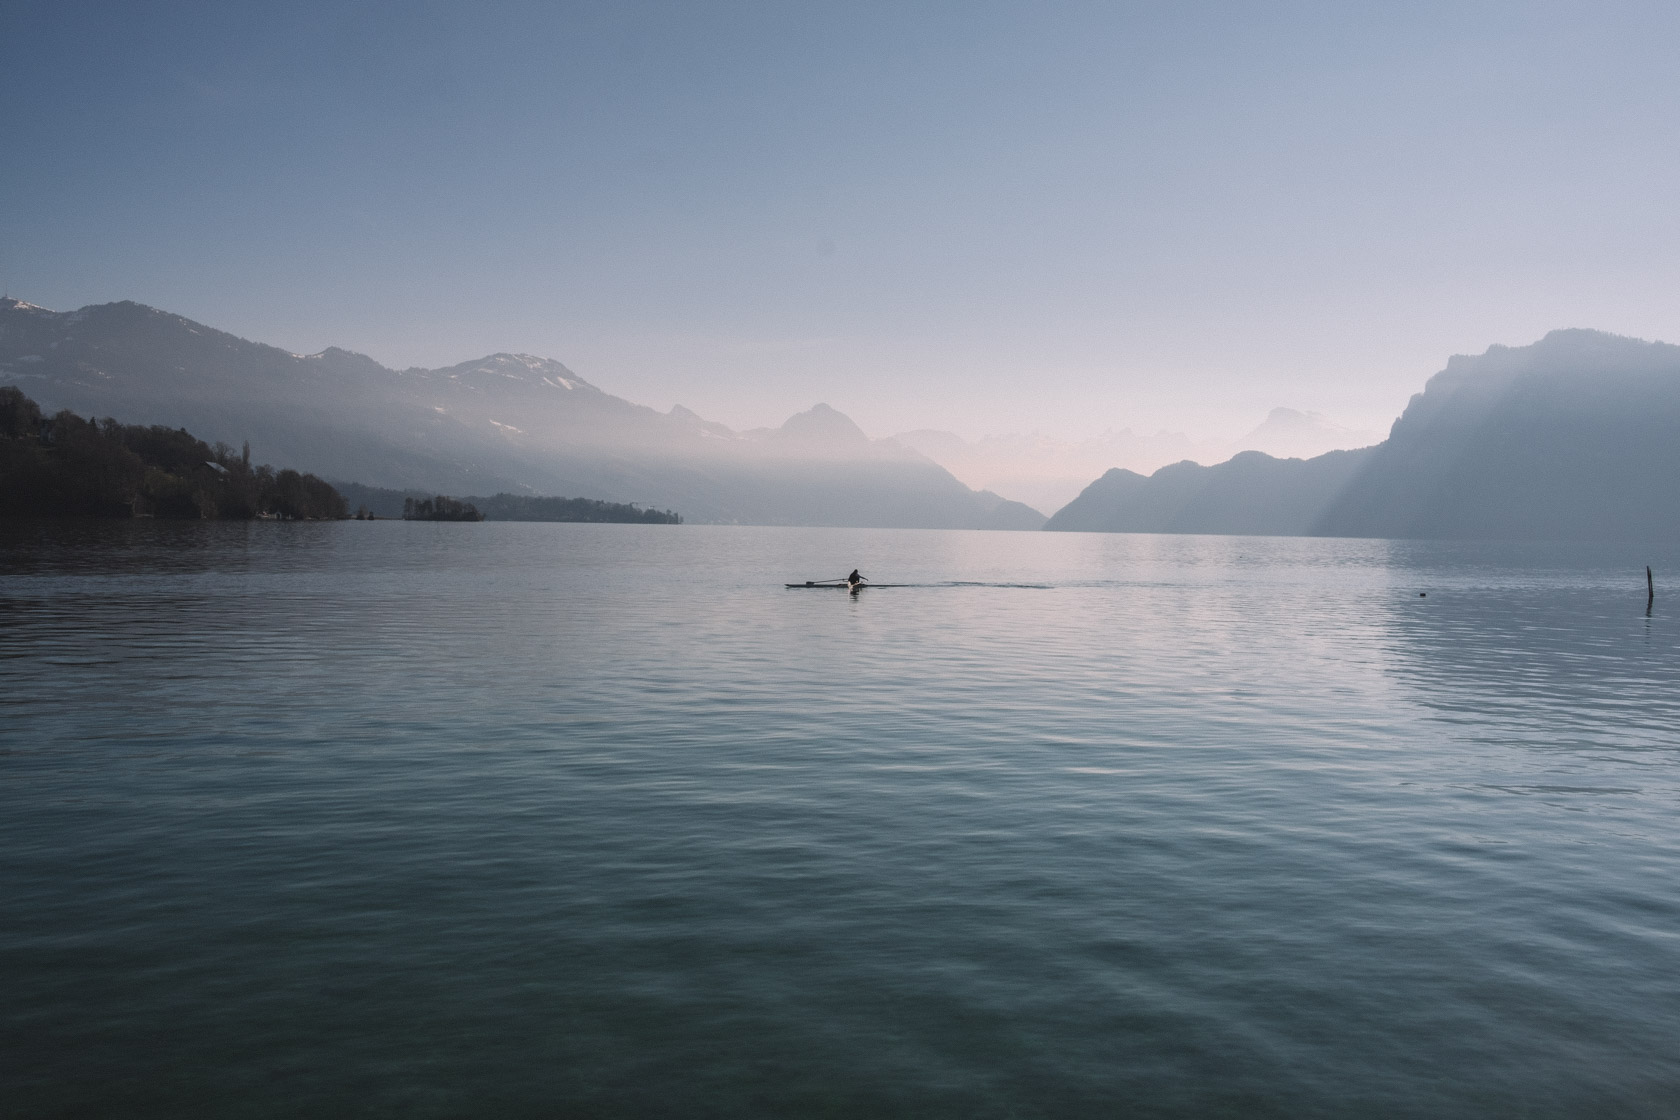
{"type": "Point", "coordinates": [539, 819]}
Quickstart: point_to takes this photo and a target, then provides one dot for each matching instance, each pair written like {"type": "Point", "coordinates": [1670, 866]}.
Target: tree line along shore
{"type": "Point", "coordinates": [66, 466]}
{"type": "Point", "coordinates": [415, 506]}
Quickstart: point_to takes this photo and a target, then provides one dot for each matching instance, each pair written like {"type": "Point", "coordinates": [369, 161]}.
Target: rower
{"type": "Point", "coordinates": [854, 580]}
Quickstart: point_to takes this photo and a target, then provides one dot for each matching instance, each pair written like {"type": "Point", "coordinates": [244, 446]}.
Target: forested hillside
{"type": "Point", "coordinates": [65, 466]}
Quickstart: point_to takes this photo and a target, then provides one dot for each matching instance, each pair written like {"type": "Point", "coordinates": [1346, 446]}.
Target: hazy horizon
{"type": "Point", "coordinates": [987, 220]}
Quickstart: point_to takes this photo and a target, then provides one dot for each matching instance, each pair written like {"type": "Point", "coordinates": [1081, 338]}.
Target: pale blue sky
{"type": "Point", "coordinates": [986, 217]}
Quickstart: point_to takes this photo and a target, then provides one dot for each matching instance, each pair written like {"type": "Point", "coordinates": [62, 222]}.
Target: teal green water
{"type": "Point", "coordinates": [551, 820]}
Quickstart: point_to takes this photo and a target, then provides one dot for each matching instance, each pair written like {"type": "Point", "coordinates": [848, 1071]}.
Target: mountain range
{"type": "Point", "coordinates": [1575, 437]}
{"type": "Point", "coordinates": [1571, 437]}
{"type": "Point", "coordinates": [1047, 472]}
{"type": "Point", "coordinates": [506, 422]}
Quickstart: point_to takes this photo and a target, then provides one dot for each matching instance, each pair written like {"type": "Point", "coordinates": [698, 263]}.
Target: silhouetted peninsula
{"type": "Point", "coordinates": [440, 508]}
{"type": "Point", "coordinates": [382, 502]}
{"type": "Point", "coordinates": [519, 507]}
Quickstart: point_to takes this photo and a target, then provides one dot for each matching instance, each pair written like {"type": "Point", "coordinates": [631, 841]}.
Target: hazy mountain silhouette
{"type": "Point", "coordinates": [1041, 470]}
{"type": "Point", "coordinates": [1047, 472]}
{"type": "Point", "coordinates": [1289, 433]}
{"type": "Point", "coordinates": [1573, 437]}
{"type": "Point", "coordinates": [1252, 493]}
{"type": "Point", "coordinates": [504, 423]}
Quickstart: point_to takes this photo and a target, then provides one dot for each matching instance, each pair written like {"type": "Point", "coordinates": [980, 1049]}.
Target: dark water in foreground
{"type": "Point", "coordinates": [500, 819]}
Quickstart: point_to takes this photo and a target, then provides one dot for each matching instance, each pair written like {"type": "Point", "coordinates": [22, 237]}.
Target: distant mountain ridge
{"type": "Point", "coordinates": [1048, 472]}
{"type": "Point", "coordinates": [1039, 469]}
{"type": "Point", "coordinates": [1288, 433]}
{"type": "Point", "coordinates": [1249, 494]}
{"type": "Point", "coordinates": [1573, 436]}
{"type": "Point", "coordinates": [505, 422]}
{"type": "Point", "coordinates": [1576, 436]}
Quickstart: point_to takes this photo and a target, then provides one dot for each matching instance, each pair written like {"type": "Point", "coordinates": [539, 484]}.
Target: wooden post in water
{"type": "Point", "coordinates": [1650, 589]}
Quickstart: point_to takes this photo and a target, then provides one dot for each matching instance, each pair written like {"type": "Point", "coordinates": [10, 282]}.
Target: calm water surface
{"type": "Point", "coordinates": [548, 820]}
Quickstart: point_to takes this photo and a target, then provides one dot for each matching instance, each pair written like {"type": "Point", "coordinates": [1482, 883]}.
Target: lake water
{"type": "Point", "coordinates": [548, 820]}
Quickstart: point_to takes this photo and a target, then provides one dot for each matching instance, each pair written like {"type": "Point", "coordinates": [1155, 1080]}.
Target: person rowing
{"type": "Point", "coordinates": [855, 582]}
